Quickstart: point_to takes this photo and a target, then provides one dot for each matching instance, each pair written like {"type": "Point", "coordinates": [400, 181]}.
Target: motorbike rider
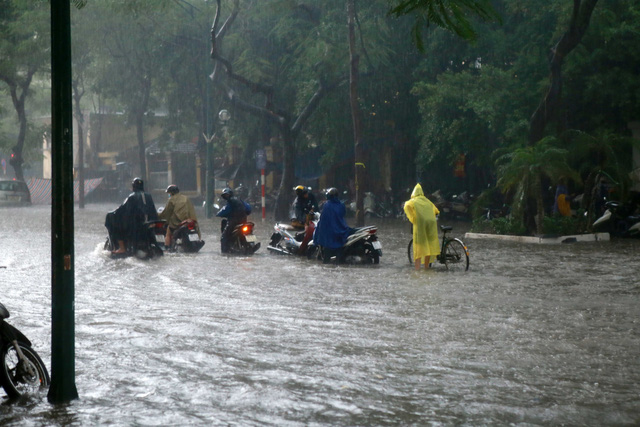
{"type": "Point", "coordinates": [332, 230]}
{"type": "Point", "coordinates": [127, 221]}
{"type": "Point", "coordinates": [304, 205]}
{"type": "Point", "coordinates": [178, 208]}
{"type": "Point", "coordinates": [235, 212]}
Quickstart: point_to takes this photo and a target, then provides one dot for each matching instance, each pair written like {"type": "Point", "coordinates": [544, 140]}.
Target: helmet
{"type": "Point", "coordinates": [137, 184]}
{"type": "Point", "coordinates": [332, 192]}
{"type": "Point", "coordinates": [227, 193]}
{"type": "Point", "coordinates": [173, 189]}
{"type": "Point", "coordinates": [300, 190]}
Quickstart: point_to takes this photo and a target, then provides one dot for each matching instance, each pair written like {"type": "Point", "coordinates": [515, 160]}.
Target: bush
{"type": "Point", "coordinates": [564, 225]}
{"type": "Point", "coordinates": [504, 225]}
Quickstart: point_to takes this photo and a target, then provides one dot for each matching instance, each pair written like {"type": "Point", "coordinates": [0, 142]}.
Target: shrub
{"type": "Point", "coordinates": [506, 225]}
{"type": "Point", "coordinates": [564, 225]}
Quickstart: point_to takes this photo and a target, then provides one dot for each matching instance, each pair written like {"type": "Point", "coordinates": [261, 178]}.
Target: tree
{"type": "Point", "coordinates": [452, 15]}
{"type": "Point", "coordinates": [24, 42]}
{"type": "Point", "coordinates": [523, 169]}
{"type": "Point", "coordinates": [288, 118]}
{"type": "Point", "coordinates": [82, 61]}
{"type": "Point", "coordinates": [131, 57]}
{"type": "Point", "coordinates": [604, 153]}
{"type": "Point", "coordinates": [547, 109]}
{"type": "Point", "coordinates": [354, 59]}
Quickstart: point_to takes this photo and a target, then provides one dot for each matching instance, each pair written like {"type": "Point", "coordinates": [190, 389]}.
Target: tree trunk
{"type": "Point", "coordinates": [547, 109]}
{"type": "Point", "coordinates": [16, 159]}
{"type": "Point", "coordinates": [355, 113]}
{"type": "Point", "coordinates": [539, 206]}
{"type": "Point", "coordinates": [281, 210]}
{"type": "Point", "coordinates": [77, 96]}
{"type": "Point", "coordinates": [141, 149]}
{"type": "Point", "coordinates": [139, 117]}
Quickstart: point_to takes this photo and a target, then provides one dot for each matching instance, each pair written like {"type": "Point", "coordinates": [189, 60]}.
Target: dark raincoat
{"type": "Point", "coordinates": [332, 230]}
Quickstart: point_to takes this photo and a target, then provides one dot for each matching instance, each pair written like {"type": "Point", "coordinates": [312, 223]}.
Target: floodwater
{"type": "Point", "coordinates": [530, 335]}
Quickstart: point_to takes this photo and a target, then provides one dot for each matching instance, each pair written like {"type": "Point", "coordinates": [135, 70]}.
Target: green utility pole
{"type": "Point", "coordinates": [63, 386]}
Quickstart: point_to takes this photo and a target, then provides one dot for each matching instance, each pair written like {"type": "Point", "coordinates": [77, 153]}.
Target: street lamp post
{"type": "Point", "coordinates": [224, 117]}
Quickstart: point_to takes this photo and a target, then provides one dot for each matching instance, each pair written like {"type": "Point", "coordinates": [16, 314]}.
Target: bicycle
{"type": "Point", "coordinates": [453, 252]}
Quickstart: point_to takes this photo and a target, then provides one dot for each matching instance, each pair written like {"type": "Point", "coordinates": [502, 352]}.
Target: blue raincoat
{"type": "Point", "coordinates": [332, 230]}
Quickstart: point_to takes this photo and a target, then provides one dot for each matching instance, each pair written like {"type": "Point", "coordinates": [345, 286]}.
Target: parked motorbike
{"type": "Point", "coordinates": [619, 219]}
{"type": "Point", "coordinates": [375, 207]}
{"type": "Point", "coordinates": [288, 240]}
{"type": "Point", "coordinates": [149, 245]}
{"type": "Point", "coordinates": [362, 247]}
{"type": "Point", "coordinates": [243, 241]}
{"type": "Point", "coordinates": [21, 368]}
{"type": "Point", "coordinates": [185, 238]}
{"type": "Point", "coordinates": [456, 206]}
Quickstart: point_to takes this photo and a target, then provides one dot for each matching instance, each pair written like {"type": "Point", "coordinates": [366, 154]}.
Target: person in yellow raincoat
{"type": "Point", "coordinates": [422, 214]}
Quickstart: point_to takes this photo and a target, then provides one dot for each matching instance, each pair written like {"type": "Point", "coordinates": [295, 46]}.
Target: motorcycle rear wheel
{"type": "Point", "coordinates": [371, 255]}
{"type": "Point", "coordinates": [14, 375]}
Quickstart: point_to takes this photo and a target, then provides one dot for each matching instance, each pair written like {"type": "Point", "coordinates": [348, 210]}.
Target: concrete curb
{"type": "Point", "coordinates": [595, 237]}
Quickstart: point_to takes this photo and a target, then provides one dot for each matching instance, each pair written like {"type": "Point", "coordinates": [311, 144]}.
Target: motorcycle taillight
{"type": "Point", "coordinates": [191, 226]}
{"type": "Point", "coordinates": [373, 231]}
{"type": "Point", "coordinates": [247, 229]}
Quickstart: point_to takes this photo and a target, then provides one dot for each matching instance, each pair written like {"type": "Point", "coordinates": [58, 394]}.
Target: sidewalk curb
{"type": "Point", "coordinates": [594, 237]}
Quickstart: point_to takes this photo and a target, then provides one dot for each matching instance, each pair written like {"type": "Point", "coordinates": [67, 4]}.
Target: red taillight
{"type": "Point", "coordinates": [373, 231]}
{"type": "Point", "coordinates": [246, 229]}
{"type": "Point", "coordinates": [191, 226]}
{"type": "Point", "coordinates": [159, 225]}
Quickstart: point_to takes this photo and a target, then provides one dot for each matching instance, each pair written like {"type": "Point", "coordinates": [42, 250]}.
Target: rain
{"type": "Point", "coordinates": [266, 97]}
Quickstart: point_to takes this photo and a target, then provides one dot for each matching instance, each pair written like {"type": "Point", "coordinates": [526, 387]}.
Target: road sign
{"type": "Point", "coordinates": [261, 159]}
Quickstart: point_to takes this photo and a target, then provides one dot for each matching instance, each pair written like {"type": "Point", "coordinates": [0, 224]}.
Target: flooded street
{"type": "Point", "coordinates": [530, 335]}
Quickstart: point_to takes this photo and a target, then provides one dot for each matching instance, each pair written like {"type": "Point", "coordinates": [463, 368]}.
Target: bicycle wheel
{"type": "Point", "coordinates": [456, 255]}
{"type": "Point", "coordinates": [16, 377]}
{"type": "Point", "coordinates": [410, 252]}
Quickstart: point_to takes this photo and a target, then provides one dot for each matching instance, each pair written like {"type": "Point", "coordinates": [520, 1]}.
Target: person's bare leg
{"type": "Point", "coordinates": [167, 238]}
{"type": "Point", "coordinates": [426, 262]}
{"type": "Point", "coordinates": [417, 263]}
{"type": "Point", "coordinates": [121, 248]}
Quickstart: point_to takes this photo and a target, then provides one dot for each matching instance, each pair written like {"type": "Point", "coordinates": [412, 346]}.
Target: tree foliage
{"type": "Point", "coordinates": [148, 57]}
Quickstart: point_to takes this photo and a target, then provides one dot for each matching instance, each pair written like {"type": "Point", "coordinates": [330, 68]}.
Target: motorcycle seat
{"type": "Point", "coordinates": [287, 227]}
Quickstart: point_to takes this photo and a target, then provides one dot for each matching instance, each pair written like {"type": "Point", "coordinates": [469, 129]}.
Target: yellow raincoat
{"type": "Point", "coordinates": [422, 214]}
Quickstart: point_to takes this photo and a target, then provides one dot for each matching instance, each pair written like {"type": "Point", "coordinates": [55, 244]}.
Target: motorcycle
{"type": "Point", "coordinates": [148, 246]}
{"type": "Point", "coordinates": [243, 241]}
{"type": "Point", "coordinates": [185, 238]}
{"type": "Point", "coordinates": [379, 208]}
{"type": "Point", "coordinates": [457, 206]}
{"type": "Point", "coordinates": [288, 240]}
{"type": "Point", "coordinates": [619, 220]}
{"type": "Point", "coordinates": [21, 368]}
{"type": "Point", "coordinates": [362, 247]}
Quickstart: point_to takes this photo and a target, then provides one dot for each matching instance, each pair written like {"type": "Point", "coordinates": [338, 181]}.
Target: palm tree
{"type": "Point", "coordinates": [604, 153]}
{"type": "Point", "coordinates": [523, 169]}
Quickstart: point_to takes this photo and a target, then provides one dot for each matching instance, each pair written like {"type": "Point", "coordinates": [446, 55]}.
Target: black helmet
{"type": "Point", "coordinates": [137, 184]}
{"type": "Point", "coordinates": [332, 192]}
{"type": "Point", "coordinates": [173, 189]}
{"type": "Point", "coordinates": [300, 190]}
{"type": "Point", "coordinates": [227, 193]}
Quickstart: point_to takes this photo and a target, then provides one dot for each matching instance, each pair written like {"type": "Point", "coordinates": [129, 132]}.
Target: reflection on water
{"type": "Point", "coordinates": [531, 334]}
